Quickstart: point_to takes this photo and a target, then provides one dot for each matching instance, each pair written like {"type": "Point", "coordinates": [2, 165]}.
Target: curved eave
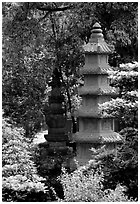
{"type": "Point", "coordinates": [100, 91]}
{"type": "Point", "coordinates": [90, 114]}
{"type": "Point", "coordinates": [97, 48]}
{"type": "Point", "coordinates": [111, 138]}
{"type": "Point", "coordinates": [101, 138]}
{"type": "Point", "coordinates": [94, 70]}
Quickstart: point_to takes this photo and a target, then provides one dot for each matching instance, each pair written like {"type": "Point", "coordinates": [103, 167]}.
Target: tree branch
{"type": "Point", "coordinates": [46, 14]}
{"type": "Point", "coordinates": [50, 9]}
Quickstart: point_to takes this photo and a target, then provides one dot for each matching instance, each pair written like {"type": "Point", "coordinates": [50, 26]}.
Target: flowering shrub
{"type": "Point", "coordinates": [20, 181]}
{"type": "Point", "coordinates": [126, 77]}
{"type": "Point", "coordinates": [85, 185]}
{"type": "Point", "coordinates": [124, 107]}
{"type": "Point", "coordinates": [125, 110]}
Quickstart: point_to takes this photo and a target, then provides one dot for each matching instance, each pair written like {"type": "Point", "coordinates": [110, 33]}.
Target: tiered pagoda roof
{"type": "Point", "coordinates": [97, 43]}
{"type": "Point", "coordinates": [97, 70]}
{"type": "Point", "coordinates": [97, 91]}
{"type": "Point", "coordinates": [99, 137]}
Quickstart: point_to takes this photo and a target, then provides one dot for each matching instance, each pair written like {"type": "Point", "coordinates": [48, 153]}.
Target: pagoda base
{"type": "Point", "coordinates": [83, 152]}
{"type": "Point", "coordinates": [54, 156]}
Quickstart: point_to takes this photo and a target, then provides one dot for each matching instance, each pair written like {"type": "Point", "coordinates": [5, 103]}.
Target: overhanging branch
{"type": "Point", "coordinates": [50, 9]}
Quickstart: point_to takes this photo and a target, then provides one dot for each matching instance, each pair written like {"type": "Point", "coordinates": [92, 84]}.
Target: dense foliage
{"type": "Point", "coordinates": [38, 36]}
{"type": "Point", "coordinates": [123, 167]}
{"type": "Point", "coordinates": [20, 181]}
{"type": "Point", "coordinates": [86, 185]}
{"type": "Point", "coordinates": [125, 106]}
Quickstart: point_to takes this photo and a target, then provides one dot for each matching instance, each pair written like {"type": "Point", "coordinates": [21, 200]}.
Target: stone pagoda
{"type": "Point", "coordinates": [55, 152]}
{"type": "Point", "coordinates": [94, 130]}
{"type": "Point", "coordinates": [55, 118]}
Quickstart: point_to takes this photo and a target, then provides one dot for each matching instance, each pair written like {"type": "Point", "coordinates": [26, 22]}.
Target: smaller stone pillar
{"type": "Point", "coordinates": [94, 130]}
{"type": "Point", "coordinates": [55, 118]}
{"type": "Point", "coordinates": [54, 153]}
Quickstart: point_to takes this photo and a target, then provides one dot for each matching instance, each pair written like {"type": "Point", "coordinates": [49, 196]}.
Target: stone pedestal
{"type": "Point", "coordinates": [93, 129]}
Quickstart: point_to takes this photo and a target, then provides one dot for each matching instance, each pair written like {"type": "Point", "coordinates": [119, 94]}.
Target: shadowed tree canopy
{"type": "Point", "coordinates": [38, 36]}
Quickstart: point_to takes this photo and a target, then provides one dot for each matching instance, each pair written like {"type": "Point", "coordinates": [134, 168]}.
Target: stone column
{"type": "Point", "coordinates": [93, 129]}
{"type": "Point", "coordinates": [55, 119]}
{"type": "Point", "coordinates": [54, 153]}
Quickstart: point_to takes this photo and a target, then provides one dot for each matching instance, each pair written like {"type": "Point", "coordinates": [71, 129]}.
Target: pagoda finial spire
{"type": "Point", "coordinates": [96, 42]}
{"type": "Point", "coordinates": [96, 33]}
